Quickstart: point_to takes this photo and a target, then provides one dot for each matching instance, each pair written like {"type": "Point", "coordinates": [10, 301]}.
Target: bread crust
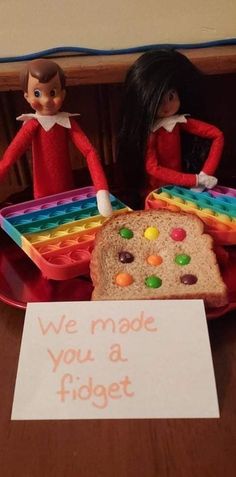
{"type": "Point", "coordinates": [105, 264]}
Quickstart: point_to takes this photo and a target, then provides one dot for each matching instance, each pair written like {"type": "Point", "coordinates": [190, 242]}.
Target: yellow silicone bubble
{"type": "Point", "coordinates": [223, 218]}
{"type": "Point", "coordinates": [209, 211]}
{"type": "Point", "coordinates": [180, 200]}
{"type": "Point", "coordinates": [164, 194]}
{"type": "Point", "coordinates": [191, 204]}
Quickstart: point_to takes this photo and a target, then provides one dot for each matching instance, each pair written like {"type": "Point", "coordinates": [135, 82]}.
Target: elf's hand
{"type": "Point", "coordinates": [206, 181]}
{"type": "Point", "coordinates": [104, 203]}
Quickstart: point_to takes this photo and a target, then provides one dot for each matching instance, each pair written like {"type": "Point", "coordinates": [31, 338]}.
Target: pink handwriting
{"type": "Point", "coordinates": [98, 394]}
{"type": "Point", "coordinates": [124, 325]}
{"type": "Point", "coordinates": [68, 326]}
{"type": "Point", "coordinates": [70, 356]}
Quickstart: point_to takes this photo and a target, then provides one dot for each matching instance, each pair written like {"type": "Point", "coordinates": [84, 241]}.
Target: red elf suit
{"type": "Point", "coordinates": [50, 137]}
{"type": "Point", "coordinates": [163, 161]}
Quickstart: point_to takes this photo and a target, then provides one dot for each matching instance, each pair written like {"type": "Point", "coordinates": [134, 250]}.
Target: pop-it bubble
{"type": "Point", "coordinates": [58, 232]}
{"type": "Point", "coordinates": [213, 208]}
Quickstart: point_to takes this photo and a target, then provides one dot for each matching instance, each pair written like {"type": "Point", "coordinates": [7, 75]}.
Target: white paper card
{"type": "Point", "coordinates": [129, 359]}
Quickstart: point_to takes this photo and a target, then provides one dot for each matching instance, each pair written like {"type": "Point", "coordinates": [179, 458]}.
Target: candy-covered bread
{"type": "Point", "coordinates": [155, 254]}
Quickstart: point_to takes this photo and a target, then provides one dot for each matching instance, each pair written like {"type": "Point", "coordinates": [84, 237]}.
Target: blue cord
{"type": "Point", "coordinates": [95, 52]}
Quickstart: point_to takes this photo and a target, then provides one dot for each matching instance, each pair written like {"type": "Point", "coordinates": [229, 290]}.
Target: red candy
{"type": "Point", "coordinates": [178, 234]}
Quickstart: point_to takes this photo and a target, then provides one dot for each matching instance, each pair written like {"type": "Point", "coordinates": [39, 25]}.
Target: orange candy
{"type": "Point", "coordinates": [154, 260]}
{"type": "Point", "coordinates": [124, 279]}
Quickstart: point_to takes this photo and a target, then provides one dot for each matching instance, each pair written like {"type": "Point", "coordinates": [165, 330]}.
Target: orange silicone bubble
{"type": "Point", "coordinates": [173, 208]}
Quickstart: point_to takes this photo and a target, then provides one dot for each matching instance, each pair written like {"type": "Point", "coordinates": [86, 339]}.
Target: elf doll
{"type": "Point", "coordinates": [154, 118]}
{"type": "Point", "coordinates": [49, 131]}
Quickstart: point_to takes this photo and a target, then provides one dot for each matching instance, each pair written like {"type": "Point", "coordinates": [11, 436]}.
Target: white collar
{"type": "Point", "coordinates": [170, 122]}
{"type": "Point", "coordinates": [47, 122]}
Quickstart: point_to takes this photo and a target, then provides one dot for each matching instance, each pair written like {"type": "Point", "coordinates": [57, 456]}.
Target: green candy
{"type": "Point", "coordinates": [126, 233]}
{"type": "Point", "coordinates": [182, 259]}
{"type": "Point", "coordinates": [153, 282]}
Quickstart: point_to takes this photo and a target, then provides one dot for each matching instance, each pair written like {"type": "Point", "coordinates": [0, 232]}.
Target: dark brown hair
{"type": "Point", "coordinates": [42, 69]}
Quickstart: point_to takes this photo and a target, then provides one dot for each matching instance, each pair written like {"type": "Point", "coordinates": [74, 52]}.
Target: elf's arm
{"type": "Point", "coordinates": [19, 145]}
{"type": "Point", "coordinates": [95, 168]}
{"type": "Point", "coordinates": [164, 174]}
{"type": "Point", "coordinates": [199, 128]}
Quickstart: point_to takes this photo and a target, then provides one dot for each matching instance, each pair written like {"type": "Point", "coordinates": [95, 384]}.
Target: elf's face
{"type": "Point", "coordinates": [169, 105]}
{"type": "Point", "coordinates": [45, 98]}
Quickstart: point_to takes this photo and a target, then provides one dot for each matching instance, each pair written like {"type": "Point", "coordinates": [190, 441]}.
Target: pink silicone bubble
{"type": "Point", "coordinates": [76, 198]}
{"type": "Point", "coordinates": [79, 255]}
{"type": "Point", "coordinates": [90, 194]}
{"type": "Point", "coordinates": [61, 202]}
{"type": "Point", "coordinates": [45, 206]}
{"type": "Point", "coordinates": [27, 211]}
{"type": "Point", "coordinates": [59, 260]}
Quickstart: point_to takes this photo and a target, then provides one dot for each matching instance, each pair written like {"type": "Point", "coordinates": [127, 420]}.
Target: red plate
{"type": "Point", "coordinates": [22, 282]}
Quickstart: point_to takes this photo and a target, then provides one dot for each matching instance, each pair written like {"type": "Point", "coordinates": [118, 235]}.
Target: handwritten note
{"type": "Point", "coordinates": [130, 359]}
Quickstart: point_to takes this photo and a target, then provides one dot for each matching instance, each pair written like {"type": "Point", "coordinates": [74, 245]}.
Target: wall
{"type": "Point", "coordinates": [32, 26]}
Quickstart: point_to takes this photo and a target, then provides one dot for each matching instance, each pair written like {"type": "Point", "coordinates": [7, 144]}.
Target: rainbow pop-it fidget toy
{"type": "Point", "coordinates": [216, 208]}
{"type": "Point", "coordinates": [57, 232]}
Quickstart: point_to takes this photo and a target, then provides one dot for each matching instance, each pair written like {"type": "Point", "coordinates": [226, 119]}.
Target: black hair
{"type": "Point", "coordinates": [149, 78]}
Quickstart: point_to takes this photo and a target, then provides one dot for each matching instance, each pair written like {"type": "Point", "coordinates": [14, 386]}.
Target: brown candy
{"type": "Point", "coordinates": [188, 279]}
{"type": "Point", "coordinates": [126, 257]}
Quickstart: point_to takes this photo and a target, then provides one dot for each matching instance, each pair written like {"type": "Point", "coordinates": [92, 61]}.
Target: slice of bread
{"type": "Point", "coordinates": [156, 254]}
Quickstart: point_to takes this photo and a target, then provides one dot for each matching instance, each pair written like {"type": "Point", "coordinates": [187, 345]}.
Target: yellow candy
{"type": "Point", "coordinates": [151, 233]}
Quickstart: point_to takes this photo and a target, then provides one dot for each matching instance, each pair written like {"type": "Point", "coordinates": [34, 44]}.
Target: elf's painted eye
{"type": "Point", "coordinates": [37, 93]}
{"type": "Point", "coordinates": [53, 93]}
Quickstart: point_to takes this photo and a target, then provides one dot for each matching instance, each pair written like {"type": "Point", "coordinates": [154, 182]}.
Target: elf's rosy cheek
{"type": "Point", "coordinates": [35, 104]}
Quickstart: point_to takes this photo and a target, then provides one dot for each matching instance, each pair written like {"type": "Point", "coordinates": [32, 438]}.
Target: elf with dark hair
{"type": "Point", "coordinates": [156, 93]}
